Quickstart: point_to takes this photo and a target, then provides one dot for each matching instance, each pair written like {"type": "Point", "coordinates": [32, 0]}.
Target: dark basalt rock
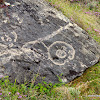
{"type": "Point", "coordinates": [36, 38]}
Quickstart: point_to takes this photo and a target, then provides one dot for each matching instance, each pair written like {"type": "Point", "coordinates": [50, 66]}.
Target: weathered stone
{"type": "Point", "coordinates": [36, 38]}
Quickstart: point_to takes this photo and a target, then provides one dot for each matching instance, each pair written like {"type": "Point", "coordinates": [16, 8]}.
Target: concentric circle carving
{"type": "Point", "coordinates": [60, 52]}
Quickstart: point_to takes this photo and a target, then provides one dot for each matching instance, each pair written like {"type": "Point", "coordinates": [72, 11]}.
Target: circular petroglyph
{"type": "Point", "coordinates": [8, 39]}
{"type": "Point", "coordinates": [60, 52]}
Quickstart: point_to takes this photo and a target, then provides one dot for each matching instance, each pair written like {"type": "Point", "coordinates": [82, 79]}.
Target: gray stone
{"type": "Point", "coordinates": [37, 39]}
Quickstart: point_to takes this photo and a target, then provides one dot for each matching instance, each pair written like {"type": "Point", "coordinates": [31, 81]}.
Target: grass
{"type": "Point", "coordinates": [41, 91]}
{"type": "Point", "coordinates": [89, 82]}
{"type": "Point", "coordinates": [79, 89]}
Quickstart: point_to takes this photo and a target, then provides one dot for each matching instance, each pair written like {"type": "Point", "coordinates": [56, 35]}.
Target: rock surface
{"type": "Point", "coordinates": [37, 39]}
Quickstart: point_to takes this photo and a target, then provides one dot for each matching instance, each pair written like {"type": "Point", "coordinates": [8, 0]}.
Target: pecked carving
{"type": "Point", "coordinates": [60, 52]}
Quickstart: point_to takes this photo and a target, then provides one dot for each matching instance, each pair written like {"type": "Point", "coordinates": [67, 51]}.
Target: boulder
{"type": "Point", "coordinates": [36, 39]}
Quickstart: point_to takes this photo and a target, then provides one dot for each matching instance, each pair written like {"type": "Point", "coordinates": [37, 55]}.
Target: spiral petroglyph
{"type": "Point", "coordinates": [60, 52]}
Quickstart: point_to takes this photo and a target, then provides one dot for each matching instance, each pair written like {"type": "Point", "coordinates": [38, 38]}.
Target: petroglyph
{"type": "Point", "coordinates": [8, 40]}
{"type": "Point", "coordinates": [48, 36]}
{"type": "Point", "coordinates": [60, 52]}
{"type": "Point", "coordinates": [15, 35]}
{"type": "Point", "coordinates": [28, 45]}
{"type": "Point", "coordinates": [37, 38]}
{"type": "Point", "coordinates": [35, 51]}
{"type": "Point", "coordinates": [64, 52]}
{"type": "Point", "coordinates": [6, 54]}
{"type": "Point", "coordinates": [31, 50]}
